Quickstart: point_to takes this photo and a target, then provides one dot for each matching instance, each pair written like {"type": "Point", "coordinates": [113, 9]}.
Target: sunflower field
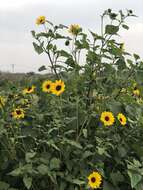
{"type": "Point", "coordinates": [79, 127]}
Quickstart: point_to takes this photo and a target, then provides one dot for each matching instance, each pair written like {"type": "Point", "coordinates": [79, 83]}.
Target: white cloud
{"type": "Point", "coordinates": [133, 38]}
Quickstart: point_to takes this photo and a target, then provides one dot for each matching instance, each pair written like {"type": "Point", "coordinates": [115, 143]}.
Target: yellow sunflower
{"type": "Point", "coordinates": [47, 85]}
{"type": "Point", "coordinates": [18, 113]}
{"type": "Point", "coordinates": [107, 118]}
{"type": "Point", "coordinates": [29, 90]}
{"type": "Point", "coordinates": [94, 180]}
{"type": "Point", "coordinates": [74, 29]}
{"type": "Point", "coordinates": [58, 87]}
{"type": "Point", "coordinates": [41, 20]}
{"type": "Point", "coordinates": [2, 101]}
{"type": "Point", "coordinates": [136, 92]}
{"type": "Point", "coordinates": [122, 119]}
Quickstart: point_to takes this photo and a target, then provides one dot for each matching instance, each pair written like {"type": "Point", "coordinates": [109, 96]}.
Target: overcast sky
{"type": "Point", "coordinates": [17, 19]}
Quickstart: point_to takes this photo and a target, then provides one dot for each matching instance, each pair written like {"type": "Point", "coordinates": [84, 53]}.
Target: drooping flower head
{"type": "Point", "coordinates": [122, 47]}
{"type": "Point", "coordinates": [29, 90]}
{"type": "Point", "coordinates": [107, 118]}
{"type": "Point", "coordinates": [136, 92]}
{"type": "Point", "coordinates": [94, 180]}
{"type": "Point", "coordinates": [74, 29]}
{"type": "Point", "coordinates": [18, 113]}
{"type": "Point", "coordinates": [46, 86]}
{"type": "Point", "coordinates": [41, 20]}
{"type": "Point", "coordinates": [122, 119]}
{"type": "Point", "coordinates": [58, 87]}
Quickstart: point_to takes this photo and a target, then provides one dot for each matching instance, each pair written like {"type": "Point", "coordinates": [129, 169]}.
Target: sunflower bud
{"type": "Point", "coordinates": [113, 16]}
{"type": "Point", "coordinates": [67, 42]}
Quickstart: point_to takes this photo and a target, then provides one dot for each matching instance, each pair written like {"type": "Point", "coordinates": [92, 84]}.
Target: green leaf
{"type": "Point", "coordinates": [16, 172]}
{"type": "Point", "coordinates": [87, 154]}
{"type": "Point", "coordinates": [139, 186]}
{"type": "Point", "coordinates": [78, 182]}
{"type": "Point", "coordinates": [62, 185]}
{"type": "Point", "coordinates": [134, 177]}
{"type": "Point", "coordinates": [125, 26]}
{"type": "Point", "coordinates": [121, 64]}
{"type": "Point", "coordinates": [70, 62]}
{"type": "Point", "coordinates": [84, 132]}
{"type": "Point", "coordinates": [27, 182]}
{"type": "Point", "coordinates": [117, 177]}
{"type": "Point", "coordinates": [63, 53]}
{"type": "Point", "coordinates": [29, 155]}
{"type": "Point", "coordinates": [122, 151]}
{"type": "Point", "coordinates": [43, 169]}
{"type": "Point", "coordinates": [111, 29]}
{"type": "Point", "coordinates": [42, 68]}
{"type": "Point", "coordinates": [55, 163]}
{"type": "Point", "coordinates": [108, 186]}
{"type": "Point", "coordinates": [136, 56]}
{"type": "Point", "coordinates": [73, 143]}
{"type": "Point", "coordinates": [4, 186]}
{"type": "Point", "coordinates": [38, 49]}
{"type": "Point", "coordinates": [139, 76]}
{"type": "Point", "coordinates": [59, 36]}
{"type": "Point", "coordinates": [33, 33]}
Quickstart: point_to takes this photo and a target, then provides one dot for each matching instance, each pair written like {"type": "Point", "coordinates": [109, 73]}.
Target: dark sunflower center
{"type": "Point", "coordinates": [58, 87]}
{"type": "Point", "coordinates": [41, 20]}
{"type": "Point", "coordinates": [107, 118]}
{"type": "Point", "coordinates": [48, 86]}
{"type": "Point", "coordinates": [135, 88]}
{"type": "Point", "coordinates": [18, 112]}
{"type": "Point", "coordinates": [121, 119]}
{"type": "Point", "coordinates": [29, 88]}
{"type": "Point", "coordinates": [93, 179]}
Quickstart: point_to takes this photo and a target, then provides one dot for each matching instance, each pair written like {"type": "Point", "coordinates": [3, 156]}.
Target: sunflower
{"type": "Point", "coordinates": [41, 20]}
{"type": "Point", "coordinates": [136, 92]}
{"type": "Point", "coordinates": [94, 180]}
{"type": "Point", "coordinates": [18, 113]}
{"type": "Point", "coordinates": [2, 101]}
{"type": "Point", "coordinates": [74, 29]}
{"type": "Point", "coordinates": [107, 118]}
{"type": "Point", "coordinates": [29, 90]}
{"type": "Point", "coordinates": [122, 119]}
{"type": "Point", "coordinates": [58, 87]}
{"type": "Point", "coordinates": [122, 45]}
{"type": "Point", "coordinates": [46, 86]}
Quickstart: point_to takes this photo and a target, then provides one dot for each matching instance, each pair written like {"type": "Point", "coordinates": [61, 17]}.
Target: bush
{"type": "Point", "coordinates": [81, 127]}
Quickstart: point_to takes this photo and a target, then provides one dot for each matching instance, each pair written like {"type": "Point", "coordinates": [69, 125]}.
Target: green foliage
{"type": "Point", "coordinates": [62, 140]}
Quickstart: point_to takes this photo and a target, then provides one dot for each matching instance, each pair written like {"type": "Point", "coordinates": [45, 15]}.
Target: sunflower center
{"type": "Point", "coordinates": [41, 20]}
{"type": "Point", "coordinates": [29, 88]}
{"type": "Point", "coordinates": [93, 179]}
{"type": "Point", "coordinates": [121, 119]}
{"type": "Point", "coordinates": [18, 112]}
{"type": "Point", "coordinates": [58, 87]}
{"type": "Point", "coordinates": [107, 118]}
{"type": "Point", "coordinates": [48, 86]}
{"type": "Point", "coordinates": [135, 88]}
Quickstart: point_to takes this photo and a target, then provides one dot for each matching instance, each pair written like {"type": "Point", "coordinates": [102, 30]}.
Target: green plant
{"type": "Point", "coordinates": [92, 128]}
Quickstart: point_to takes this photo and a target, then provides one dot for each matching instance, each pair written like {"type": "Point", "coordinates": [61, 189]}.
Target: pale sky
{"type": "Point", "coordinates": [17, 19]}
